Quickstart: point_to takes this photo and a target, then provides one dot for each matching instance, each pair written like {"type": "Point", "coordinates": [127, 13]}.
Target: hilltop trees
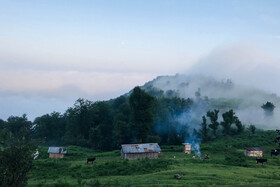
{"type": "Point", "coordinates": [268, 108]}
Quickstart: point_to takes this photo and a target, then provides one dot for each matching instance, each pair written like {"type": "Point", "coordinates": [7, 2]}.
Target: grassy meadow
{"type": "Point", "coordinates": [227, 166]}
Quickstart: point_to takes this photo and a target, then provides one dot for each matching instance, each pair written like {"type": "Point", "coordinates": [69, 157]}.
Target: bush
{"type": "Point", "coordinates": [235, 159]}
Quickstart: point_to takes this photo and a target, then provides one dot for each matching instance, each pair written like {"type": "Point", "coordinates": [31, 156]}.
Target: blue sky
{"type": "Point", "coordinates": [55, 51]}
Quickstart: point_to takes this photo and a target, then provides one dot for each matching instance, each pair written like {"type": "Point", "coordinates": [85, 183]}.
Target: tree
{"type": "Point", "coordinates": [239, 126]}
{"type": "Point", "coordinates": [79, 119]}
{"type": "Point", "coordinates": [229, 118]}
{"type": "Point", "coordinates": [204, 130]}
{"type": "Point", "coordinates": [122, 131]}
{"type": "Point", "coordinates": [101, 133]}
{"type": "Point", "coordinates": [252, 129]}
{"type": "Point", "coordinates": [268, 108]}
{"type": "Point", "coordinates": [16, 154]}
{"type": "Point", "coordinates": [51, 127]}
{"type": "Point", "coordinates": [2, 123]}
{"type": "Point", "coordinates": [213, 115]}
{"type": "Point", "coordinates": [142, 105]}
{"type": "Point", "coordinates": [198, 93]}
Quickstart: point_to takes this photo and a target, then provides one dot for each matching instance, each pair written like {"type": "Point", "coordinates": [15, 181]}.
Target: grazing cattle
{"type": "Point", "coordinates": [275, 152]}
{"type": "Point", "coordinates": [261, 160]}
{"type": "Point", "coordinates": [91, 160]}
{"type": "Point", "coordinates": [278, 131]}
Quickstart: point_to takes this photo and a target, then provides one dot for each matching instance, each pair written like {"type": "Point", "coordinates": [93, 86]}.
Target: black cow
{"type": "Point", "coordinates": [91, 160]}
{"type": "Point", "coordinates": [275, 152]}
{"type": "Point", "coordinates": [278, 131]}
{"type": "Point", "coordinates": [261, 160]}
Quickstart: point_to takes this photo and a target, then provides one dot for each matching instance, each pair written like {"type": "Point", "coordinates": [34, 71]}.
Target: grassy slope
{"type": "Point", "coordinates": [226, 166]}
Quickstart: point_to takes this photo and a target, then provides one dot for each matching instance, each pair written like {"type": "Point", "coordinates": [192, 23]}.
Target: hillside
{"type": "Point", "coordinates": [209, 93]}
{"type": "Point", "coordinates": [226, 165]}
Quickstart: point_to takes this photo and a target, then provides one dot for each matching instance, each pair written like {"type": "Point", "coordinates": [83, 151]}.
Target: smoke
{"type": "Point", "coordinates": [194, 140]}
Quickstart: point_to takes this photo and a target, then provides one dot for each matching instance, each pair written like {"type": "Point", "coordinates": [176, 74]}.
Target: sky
{"type": "Point", "coordinates": [53, 52]}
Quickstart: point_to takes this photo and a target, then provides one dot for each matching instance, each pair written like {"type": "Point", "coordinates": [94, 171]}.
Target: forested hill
{"type": "Point", "coordinates": [223, 95]}
{"type": "Point", "coordinates": [168, 110]}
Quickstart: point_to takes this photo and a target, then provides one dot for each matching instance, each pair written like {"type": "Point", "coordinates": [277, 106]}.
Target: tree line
{"type": "Point", "coordinates": [230, 125]}
{"type": "Point", "coordinates": [137, 118]}
{"type": "Point", "coordinates": [105, 125]}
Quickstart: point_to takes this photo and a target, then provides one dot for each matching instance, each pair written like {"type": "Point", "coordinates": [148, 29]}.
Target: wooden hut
{"type": "Point", "coordinates": [253, 151]}
{"type": "Point", "coordinates": [140, 151]}
{"type": "Point", "coordinates": [187, 148]}
{"type": "Point", "coordinates": [57, 152]}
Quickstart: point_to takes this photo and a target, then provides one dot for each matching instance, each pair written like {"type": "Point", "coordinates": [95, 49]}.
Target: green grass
{"type": "Point", "coordinates": [226, 167]}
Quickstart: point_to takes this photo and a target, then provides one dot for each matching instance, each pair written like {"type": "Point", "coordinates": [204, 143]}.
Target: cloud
{"type": "Point", "coordinates": [243, 64]}
{"type": "Point", "coordinates": [39, 92]}
{"type": "Point", "coordinates": [64, 83]}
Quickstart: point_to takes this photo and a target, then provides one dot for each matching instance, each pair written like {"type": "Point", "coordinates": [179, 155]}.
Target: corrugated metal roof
{"type": "Point", "coordinates": [61, 150]}
{"type": "Point", "coordinates": [253, 149]}
{"type": "Point", "coordinates": [140, 148]}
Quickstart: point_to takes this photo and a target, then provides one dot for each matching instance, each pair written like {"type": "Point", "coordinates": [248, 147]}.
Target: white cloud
{"type": "Point", "coordinates": [244, 64]}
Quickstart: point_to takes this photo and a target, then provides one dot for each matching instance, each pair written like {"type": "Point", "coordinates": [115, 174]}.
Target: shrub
{"type": "Point", "coordinates": [235, 159]}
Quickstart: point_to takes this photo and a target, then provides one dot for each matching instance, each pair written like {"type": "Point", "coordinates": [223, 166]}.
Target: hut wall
{"type": "Point", "coordinates": [131, 156]}
{"type": "Point", "coordinates": [253, 153]}
{"type": "Point", "coordinates": [56, 155]}
{"type": "Point", "coordinates": [187, 149]}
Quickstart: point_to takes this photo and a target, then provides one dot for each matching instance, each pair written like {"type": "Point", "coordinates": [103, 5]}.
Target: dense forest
{"type": "Point", "coordinates": [137, 117]}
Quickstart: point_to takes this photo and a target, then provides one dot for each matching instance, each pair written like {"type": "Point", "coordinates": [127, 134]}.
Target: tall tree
{"type": "Point", "coordinates": [103, 125]}
{"type": "Point", "coordinates": [213, 115]}
{"type": "Point", "coordinates": [142, 105]}
{"type": "Point", "coordinates": [79, 119]}
{"type": "Point", "coordinates": [204, 130]}
{"type": "Point", "coordinates": [229, 118]}
{"type": "Point", "coordinates": [51, 127]}
{"type": "Point", "coordinates": [16, 153]}
{"type": "Point", "coordinates": [239, 126]}
{"type": "Point", "coordinates": [252, 129]}
{"type": "Point", "coordinates": [122, 131]}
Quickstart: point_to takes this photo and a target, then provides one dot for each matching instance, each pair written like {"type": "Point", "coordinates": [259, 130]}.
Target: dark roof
{"type": "Point", "coordinates": [253, 149]}
{"type": "Point", "coordinates": [61, 150]}
{"type": "Point", "coordinates": [141, 148]}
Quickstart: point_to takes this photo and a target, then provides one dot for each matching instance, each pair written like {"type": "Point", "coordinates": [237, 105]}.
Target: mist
{"type": "Point", "coordinates": [246, 101]}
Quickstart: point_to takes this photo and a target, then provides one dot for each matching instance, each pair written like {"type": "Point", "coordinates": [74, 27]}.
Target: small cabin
{"type": "Point", "coordinates": [253, 151]}
{"type": "Point", "coordinates": [187, 148]}
{"type": "Point", "coordinates": [140, 151]}
{"type": "Point", "coordinates": [57, 152]}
